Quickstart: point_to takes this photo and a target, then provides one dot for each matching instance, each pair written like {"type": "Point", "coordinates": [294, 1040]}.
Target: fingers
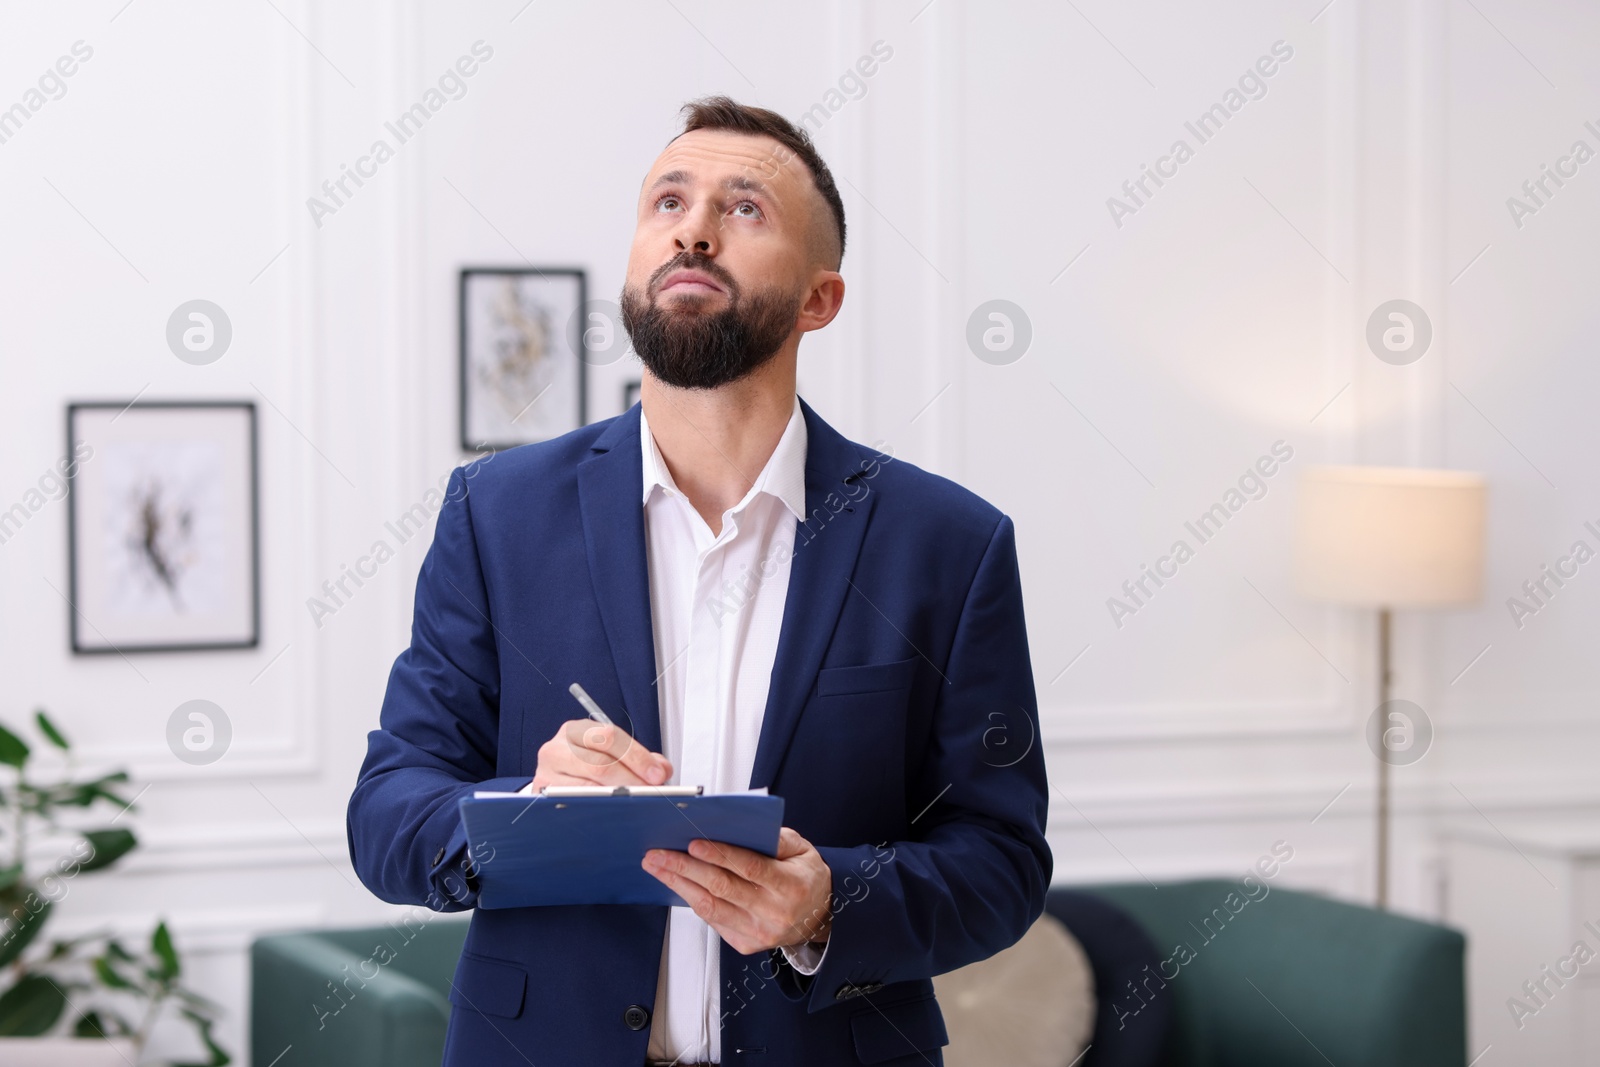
{"type": "Point", "coordinates": [747, 916]}
{"type": "Point", "coordinates": [603, 755]}
{"type": "Point", "coordinates": [714, 912]}
{"type": "Point", "coordinates": [753, 901]}
{"type": "Point", "coordinates": [743, 863]}
{"type": "Point", "coordinates": [717, 880]}
{"type": "Point", "coordinates": [791, 844]}
{"type": "Point", "coordinates": [720, 899]}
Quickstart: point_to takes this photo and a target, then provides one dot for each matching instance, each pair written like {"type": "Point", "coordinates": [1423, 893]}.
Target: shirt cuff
{"type": "Point", "coordinates": [807, 957]}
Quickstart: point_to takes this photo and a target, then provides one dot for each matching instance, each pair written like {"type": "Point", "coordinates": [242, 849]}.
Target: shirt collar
{"type": "Point", "coordinates": [784, 476]}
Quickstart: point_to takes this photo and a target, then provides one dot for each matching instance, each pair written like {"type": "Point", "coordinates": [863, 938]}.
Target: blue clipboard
{"type": "Point", "coordinates": [533, 851]}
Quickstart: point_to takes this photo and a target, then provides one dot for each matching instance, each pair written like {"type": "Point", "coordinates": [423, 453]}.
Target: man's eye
{"type": "Point", "coordinates": [753, 213]}
{"type": "Point", "coordinates": [669, 202]}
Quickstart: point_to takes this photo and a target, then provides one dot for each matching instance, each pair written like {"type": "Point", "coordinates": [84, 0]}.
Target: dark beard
{"type": "Point", "coordinates": [691, 348]}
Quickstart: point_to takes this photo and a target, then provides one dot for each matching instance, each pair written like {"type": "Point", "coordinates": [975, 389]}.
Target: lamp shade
{"type": "Point", "coordinates": [1393, 537]}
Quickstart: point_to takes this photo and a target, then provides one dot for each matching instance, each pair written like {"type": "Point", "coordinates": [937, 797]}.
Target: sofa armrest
{"type": "Point", "coordinates": [1291, 978]}
{"type": "Point", "coordinates": [333, 1006]}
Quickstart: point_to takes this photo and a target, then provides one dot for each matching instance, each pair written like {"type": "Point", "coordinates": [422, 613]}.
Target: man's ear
{"type": "Point", "coordinates": [822, 302]}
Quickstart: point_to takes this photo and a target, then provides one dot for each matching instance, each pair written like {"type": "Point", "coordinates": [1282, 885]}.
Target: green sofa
{"type": "Point", "coordinates": [1294, 979]}
{"type": "Point", "coordinates": [367, 997]}
{"type": "Point", "coordinates": [1290, 979]}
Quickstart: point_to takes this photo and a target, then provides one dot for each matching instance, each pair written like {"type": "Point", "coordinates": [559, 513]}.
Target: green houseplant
{"type": "Point", "coordinates": [92, 986]}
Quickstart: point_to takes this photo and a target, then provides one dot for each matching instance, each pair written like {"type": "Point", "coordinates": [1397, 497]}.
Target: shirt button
{"type": "Point", "coordinates": [636, 1017]}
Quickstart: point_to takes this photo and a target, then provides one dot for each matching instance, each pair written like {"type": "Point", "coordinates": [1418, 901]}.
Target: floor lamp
{"type": "Point", "coordinates": [1389, 538]}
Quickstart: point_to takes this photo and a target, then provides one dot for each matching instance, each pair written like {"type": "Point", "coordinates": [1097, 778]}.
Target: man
{"type": "Point", "coordinates": [756, 602]}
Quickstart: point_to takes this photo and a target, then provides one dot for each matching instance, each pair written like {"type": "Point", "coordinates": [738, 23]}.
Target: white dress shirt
{"type": "Point", "coordinates": [716, 607]}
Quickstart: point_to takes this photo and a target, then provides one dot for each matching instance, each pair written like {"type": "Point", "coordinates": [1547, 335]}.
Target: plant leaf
{"type": "Point", "coordinates": [98, 1023]}
{"type": "Point", "coordinates": [109, 977]}
{"type": "Point", "coordinates": [161, 945]}
{"type": "Point", "coordinates": [97, 789]}
{"type": "Point", "coordinates": [13, 750]}
{"type": "Point", "coordinates": [58, 949]}
{"type": "Point", "coordinates": [219, 1056]}
{"type": "Point", "coordinates": [109, 847]}
{"type": "Point", "coordinates": [197, 1004]}
{"type": "Point", "coordinates": [10, 876]}
{"type": "Point", "coordinates": [51, 734]}
{"type": "Point", "coordinates": [31, 1007]}
{"type": "Point", "coordinates": [16, 933]}
{"type": "Point", "coordinates": [82, 794]}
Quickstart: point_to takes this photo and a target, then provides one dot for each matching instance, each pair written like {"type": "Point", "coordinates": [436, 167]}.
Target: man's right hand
{"type": "Point", "coordinates": [585, 753]}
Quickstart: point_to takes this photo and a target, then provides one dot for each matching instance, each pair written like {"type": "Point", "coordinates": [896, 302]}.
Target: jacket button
{"type": "Point", "coordinates": [438, 857]}
{"type": "Point", "coordinates": [636, 1017]}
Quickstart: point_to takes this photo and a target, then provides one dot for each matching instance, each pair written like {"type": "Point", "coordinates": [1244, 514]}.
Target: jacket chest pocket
{"type": "Point", "coordinates": [869, 678]}
{"type": "Point", "coordinates": [859, 726]}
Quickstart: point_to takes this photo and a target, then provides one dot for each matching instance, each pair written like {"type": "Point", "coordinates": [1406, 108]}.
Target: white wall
{"type": "Point", "coordinates": [1223, 316]}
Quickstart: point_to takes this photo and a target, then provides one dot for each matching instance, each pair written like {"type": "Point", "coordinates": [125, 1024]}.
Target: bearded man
{"type": "Point", "coordinates": [758, 603]}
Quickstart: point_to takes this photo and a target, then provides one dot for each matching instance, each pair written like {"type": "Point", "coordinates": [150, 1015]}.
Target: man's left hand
{"type": "Point", "coordinates": [754, 902]}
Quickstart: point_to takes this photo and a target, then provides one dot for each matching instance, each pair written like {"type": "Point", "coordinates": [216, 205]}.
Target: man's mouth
{"type": "Point", "coordinates": [691, 281]}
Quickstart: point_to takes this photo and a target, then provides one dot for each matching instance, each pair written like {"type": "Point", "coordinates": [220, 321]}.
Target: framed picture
{"type": "Point", "coordinates": [630, 393]}
{"type": "Point", "coordinates": [522, 355]}
{"type": "Point", "coordinates": [162, 526]}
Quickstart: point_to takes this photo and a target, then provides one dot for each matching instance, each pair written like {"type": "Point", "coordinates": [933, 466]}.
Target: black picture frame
{"type": "Point", "coordinates": [569, 327]}
{"type": "Point", "coordinates": [95, 641]}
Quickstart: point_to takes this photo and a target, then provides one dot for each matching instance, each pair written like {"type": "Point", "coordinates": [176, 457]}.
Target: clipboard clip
{"type": "Point", "coordinates": [622, 791]}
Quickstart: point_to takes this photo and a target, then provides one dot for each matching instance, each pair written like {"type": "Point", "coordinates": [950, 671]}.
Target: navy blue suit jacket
{"type": "Point", "coordinates": [901, 730]}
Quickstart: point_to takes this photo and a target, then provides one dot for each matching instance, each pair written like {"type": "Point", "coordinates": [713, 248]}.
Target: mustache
{"type": "Point", "coordinates": [694, 261]}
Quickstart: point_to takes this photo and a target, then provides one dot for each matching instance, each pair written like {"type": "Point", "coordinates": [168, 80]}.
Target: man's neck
{"type": "Point", "coordinates": [716, 441]}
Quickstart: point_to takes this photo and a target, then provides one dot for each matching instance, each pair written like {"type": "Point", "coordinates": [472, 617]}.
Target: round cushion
{"type": "Point", "coordinates": [1031, 1005]}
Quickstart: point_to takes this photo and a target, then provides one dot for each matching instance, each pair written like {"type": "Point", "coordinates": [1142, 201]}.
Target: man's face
{"type": "Point", "coordinates": [722, 258]}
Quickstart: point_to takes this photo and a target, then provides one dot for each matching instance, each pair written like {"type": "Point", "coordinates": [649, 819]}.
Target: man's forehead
{"type": "Point", "coordinates": [718, 155]}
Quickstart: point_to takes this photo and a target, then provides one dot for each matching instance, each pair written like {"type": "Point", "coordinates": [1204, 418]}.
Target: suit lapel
{"type": "Point", "coordinates": [824, 558]}
{"type": "Point", "coordinates": [610, 488]}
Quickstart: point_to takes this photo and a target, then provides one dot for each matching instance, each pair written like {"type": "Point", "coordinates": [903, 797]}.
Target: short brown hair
{"type": "Point", "coordinates": [724, 113]}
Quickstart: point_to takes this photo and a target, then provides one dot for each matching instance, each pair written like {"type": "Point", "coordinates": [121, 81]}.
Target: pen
{"type": "Point", "coordinates": [589, 705]}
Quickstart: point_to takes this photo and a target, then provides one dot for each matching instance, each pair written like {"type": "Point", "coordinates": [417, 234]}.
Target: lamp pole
{"type": "Point", "coordinates": [1384, 679]}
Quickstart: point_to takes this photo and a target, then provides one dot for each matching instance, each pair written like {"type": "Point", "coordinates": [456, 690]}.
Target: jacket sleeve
{"type": "Point", "coordinates": [973, 874]}
{"type": "Point", "coordinates": [437, 733]}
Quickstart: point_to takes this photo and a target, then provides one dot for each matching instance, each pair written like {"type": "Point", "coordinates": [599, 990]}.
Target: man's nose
{"type": "Point", "coordinates": [698, 232]}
